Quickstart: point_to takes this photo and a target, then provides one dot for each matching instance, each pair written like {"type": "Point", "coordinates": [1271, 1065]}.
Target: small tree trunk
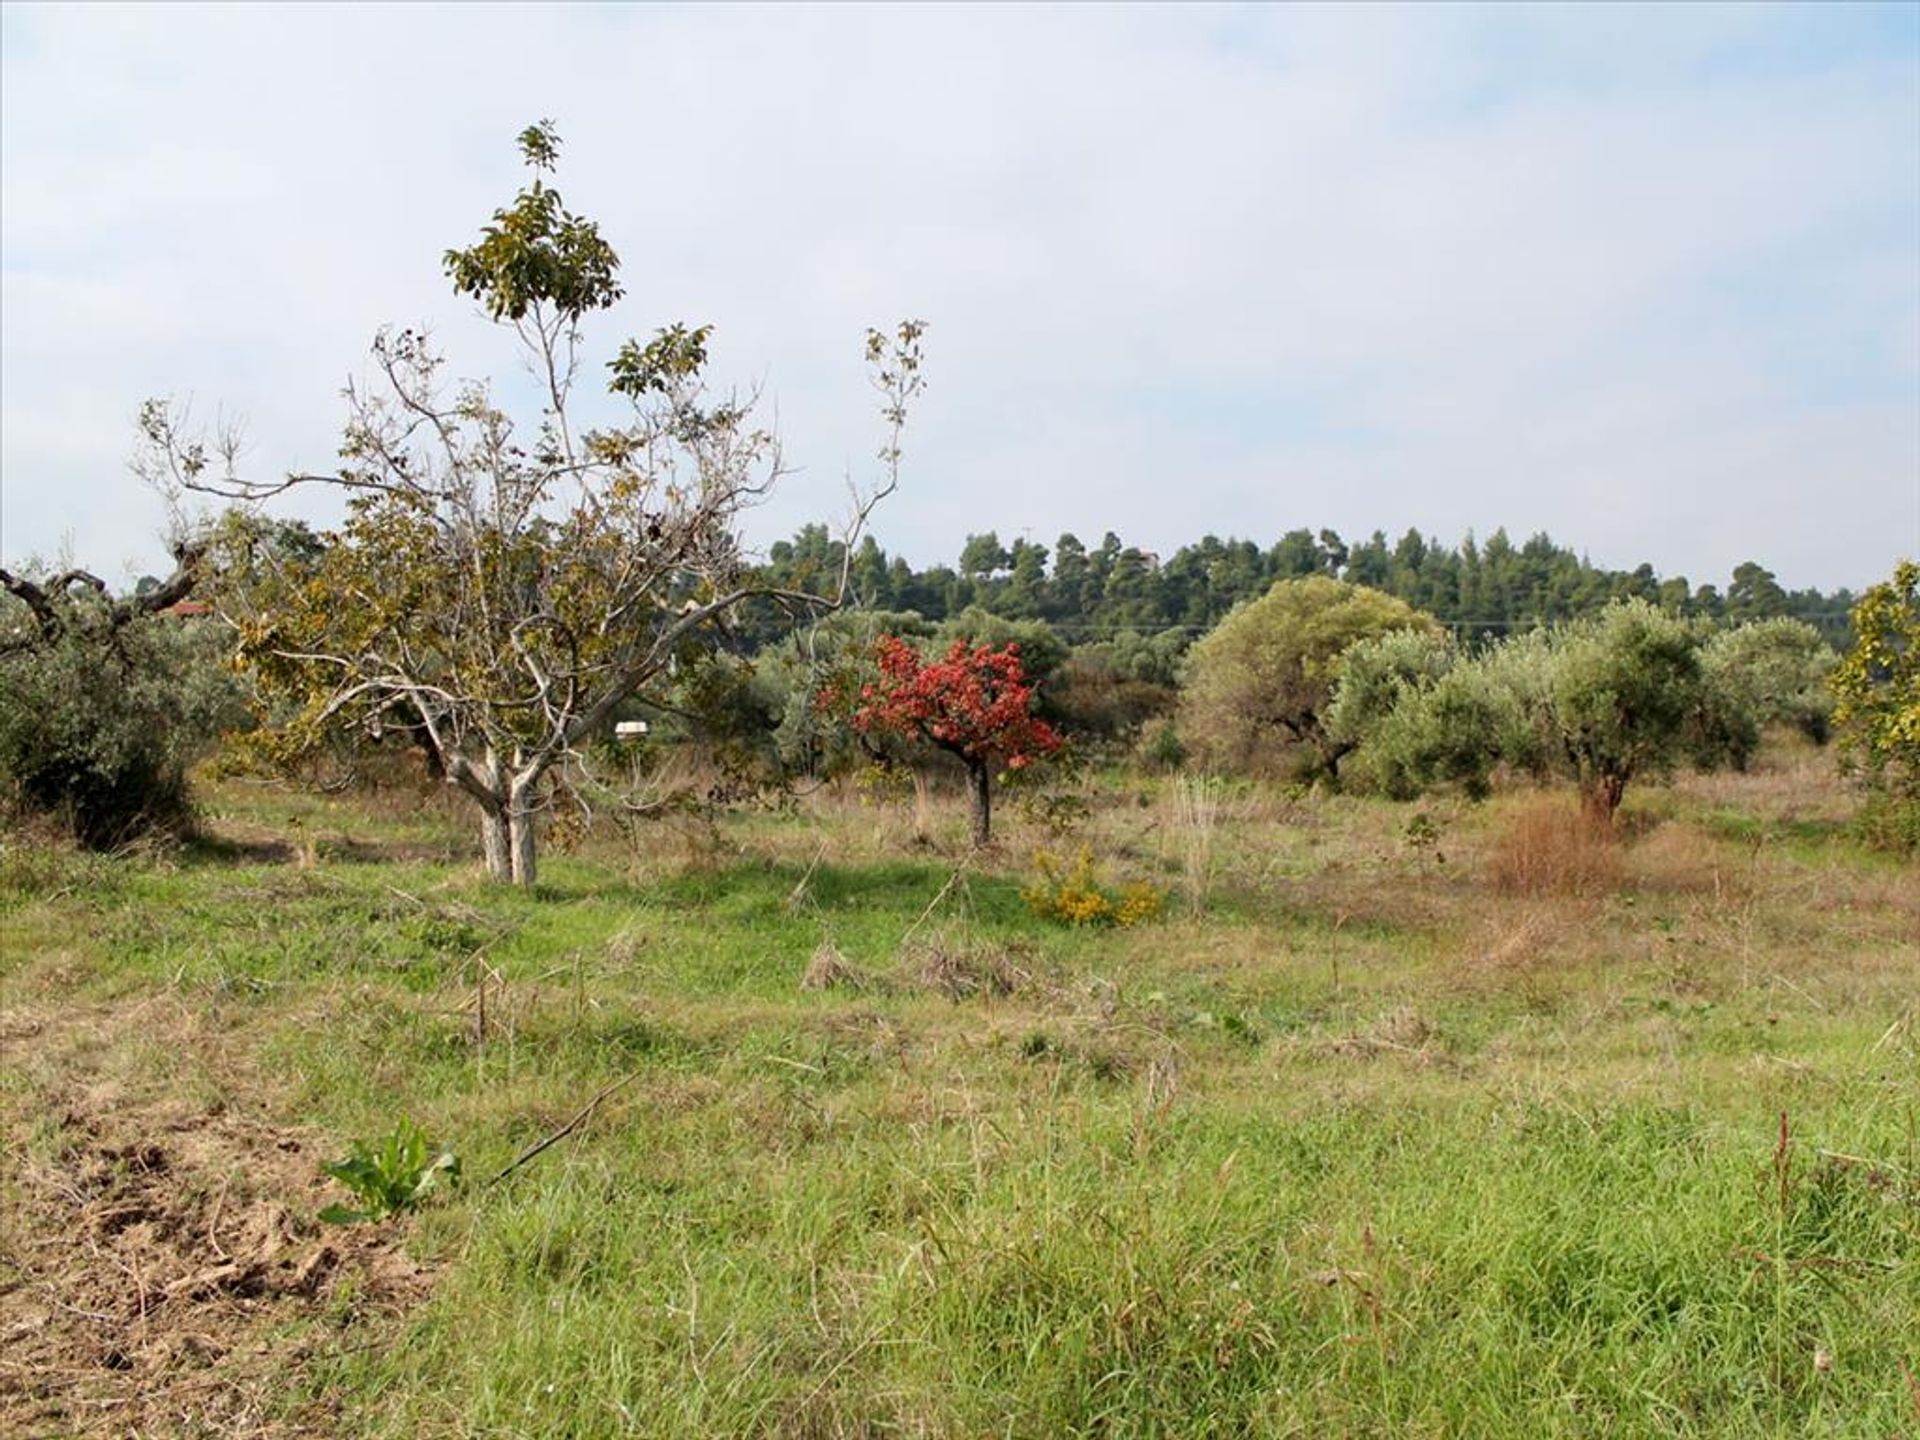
{"type": "Point", "coordinates": [1600, 797]}
{"type": "Point", "coordinates": [487, 784]}
{"type": "Point", "coordinates": [496, 845]}
{"type": "Point", "coordinates": [1332, 752]}
{"type": "Point", "coordinates": [521, 832]}
{"type": "Point", "coordinates": [980, 782]}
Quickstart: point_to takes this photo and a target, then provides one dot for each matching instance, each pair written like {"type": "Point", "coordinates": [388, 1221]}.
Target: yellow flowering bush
{"type": "Point", "coordinates": [1072, 895]}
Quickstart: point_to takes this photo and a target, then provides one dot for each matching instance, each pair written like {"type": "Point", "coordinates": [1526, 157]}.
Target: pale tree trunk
{"type": "Point", "coordinates": [495, 844]}
{"type": "Point", "coordinates": [507, 833]}
{"type": "Point", "coordinates": [487, 784]}
{"type": "Point", "coordinates": [979, 782]}
{"type": "Point", "coordinates": [521, 831]}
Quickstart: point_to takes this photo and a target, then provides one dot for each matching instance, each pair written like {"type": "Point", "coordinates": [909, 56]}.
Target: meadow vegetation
{"type": "Point", "coordinates": [1444, 1120]}
{"type": "Point", "coordinates": [1352, 1027]}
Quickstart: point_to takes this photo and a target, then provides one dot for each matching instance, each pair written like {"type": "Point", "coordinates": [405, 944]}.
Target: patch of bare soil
{"type": "Point", "coordinates": [162, 1272]}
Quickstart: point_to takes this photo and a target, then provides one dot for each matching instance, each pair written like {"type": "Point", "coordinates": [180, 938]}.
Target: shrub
{"type": "Point", "coordinates": [98, 727]}
{"type": "Point", "coordinates": [1603, 700]}
{"type": "Point", "coordinates": [1377, 675]}
{"type": "Point", "coordinates": [1087, 698]}
{"type": "Point", "coordinates": [1161, 749]}
{"type": "Point", "coordinates": [1258, 686]}
{"type": "Point", "coordinates": [1890, 821]}
{"type": "Point", "coordinates": [1461, 722]}
{"type": "Point", "coordinates": [1072, 895]}
{"type": "Point", "coordinates": [1771, 672]}
{"type": "Point", "coordinates": [1877, 686]}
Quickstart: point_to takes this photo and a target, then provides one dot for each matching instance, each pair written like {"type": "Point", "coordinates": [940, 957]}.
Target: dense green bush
{"type": "Point", "coordinates": [1259, 685]}
{"type": "Point", "coordinates": [1161, 750]}
{"type": "Point", "coordinates": [1376, 674]}
{"type": "Point", "coordinates": [1090, 700]}
{"type": "Point", "coordinates": [1876, 688]}
{"type": "Point", "coordinates": [1890, 821]}
{"type": "Point", "coordinates": [99, 725]}
{"type": "Point", "coordinates": [1454, 724]}
{"type": "Point", "coordinates": [1775, 673]}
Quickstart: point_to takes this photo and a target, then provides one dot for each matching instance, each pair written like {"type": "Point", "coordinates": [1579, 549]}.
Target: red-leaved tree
{"type": "Point", "coordinates": [974, 703]}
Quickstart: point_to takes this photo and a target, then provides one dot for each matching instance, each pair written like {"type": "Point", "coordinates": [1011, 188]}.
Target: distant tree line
{"type": "Point", "coordinates": [1478, 589]}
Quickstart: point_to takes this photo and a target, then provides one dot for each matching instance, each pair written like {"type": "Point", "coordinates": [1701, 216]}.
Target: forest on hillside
{"type": "Point", "coordinates": [1478, 588]}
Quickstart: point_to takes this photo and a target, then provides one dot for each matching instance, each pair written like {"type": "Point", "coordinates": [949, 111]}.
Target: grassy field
{"type": "Point", "coordinates": [1470, 1127]}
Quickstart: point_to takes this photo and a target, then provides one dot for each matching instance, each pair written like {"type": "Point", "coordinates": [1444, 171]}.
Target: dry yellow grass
{"type": "Point", "coordinates": [1547, 845]}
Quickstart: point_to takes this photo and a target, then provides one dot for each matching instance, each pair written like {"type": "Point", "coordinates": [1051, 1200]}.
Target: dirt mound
{"type": "Point", "coordinates": [161, 1272]}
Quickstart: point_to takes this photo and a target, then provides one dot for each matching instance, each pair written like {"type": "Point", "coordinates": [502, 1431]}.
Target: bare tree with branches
{"type": "Point", "coordinates": [503, 595]}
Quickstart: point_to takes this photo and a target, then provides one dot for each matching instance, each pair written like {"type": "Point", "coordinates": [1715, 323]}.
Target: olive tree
{"type": "Point", "coordinates": [1769, 672]}
{"type": "Point", "coordinates": [1377, 675]}
{"type": "Point", "coordinates": [503, 588]}
{"type": "Point", "coordinates": [1602, 701]}
{"type": "Point", "coordinates": [106, 700]}
{"type": "Point", "coordinates": [1262, 679]}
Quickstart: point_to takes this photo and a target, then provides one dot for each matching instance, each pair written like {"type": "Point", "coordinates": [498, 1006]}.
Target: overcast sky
{"type": "Point", "coordinates": [1648, 279]}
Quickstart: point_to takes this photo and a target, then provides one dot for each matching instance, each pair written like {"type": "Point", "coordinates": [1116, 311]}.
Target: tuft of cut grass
{"type": "Point", "coordinates": [830, 970]}
{"type": "Point", "coordinates": [960, 967]}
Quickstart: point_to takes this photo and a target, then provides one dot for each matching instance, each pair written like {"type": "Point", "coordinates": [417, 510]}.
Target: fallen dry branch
{"type": "Point", "coordinates": [586, 1113]}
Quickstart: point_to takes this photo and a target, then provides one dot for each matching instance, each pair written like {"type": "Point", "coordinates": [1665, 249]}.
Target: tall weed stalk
{"type": "Point", "coordinates": [1196, 807]}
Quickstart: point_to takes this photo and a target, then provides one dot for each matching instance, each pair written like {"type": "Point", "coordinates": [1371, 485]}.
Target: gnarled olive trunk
{"type": "Point", "coordinates": [520, 832]}
{"type": "Point", "coordinates": [1600, 797]}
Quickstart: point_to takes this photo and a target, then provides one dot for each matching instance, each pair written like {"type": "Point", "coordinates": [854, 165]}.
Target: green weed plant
{"type": "Point", "coordinates": [390, 1176]}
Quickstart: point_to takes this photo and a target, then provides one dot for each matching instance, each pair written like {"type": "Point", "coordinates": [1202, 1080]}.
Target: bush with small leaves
{"type": "Point", "coordinates": [1603, 701]}
{"type": "Point", "coordinates": [1769, 672]}
{"type": "Point", "coordinates": [98, 722]}
{"type": "Point", "coordinates": [1259, 684]}
{"type": "Point", "coordinates": [1161, 749]}
{"type": "Point", "coordinates": [1376, 676]}
{"type": "Point", "coordinates": [1876, 686]}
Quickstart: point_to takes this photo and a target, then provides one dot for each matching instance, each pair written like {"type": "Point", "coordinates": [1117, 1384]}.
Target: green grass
{"type": "Point", "coordinates": [1371, 1150]}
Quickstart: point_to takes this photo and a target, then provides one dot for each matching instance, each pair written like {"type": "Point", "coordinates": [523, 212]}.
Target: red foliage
{"type": "Point", "coordinates": [975, 703]}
